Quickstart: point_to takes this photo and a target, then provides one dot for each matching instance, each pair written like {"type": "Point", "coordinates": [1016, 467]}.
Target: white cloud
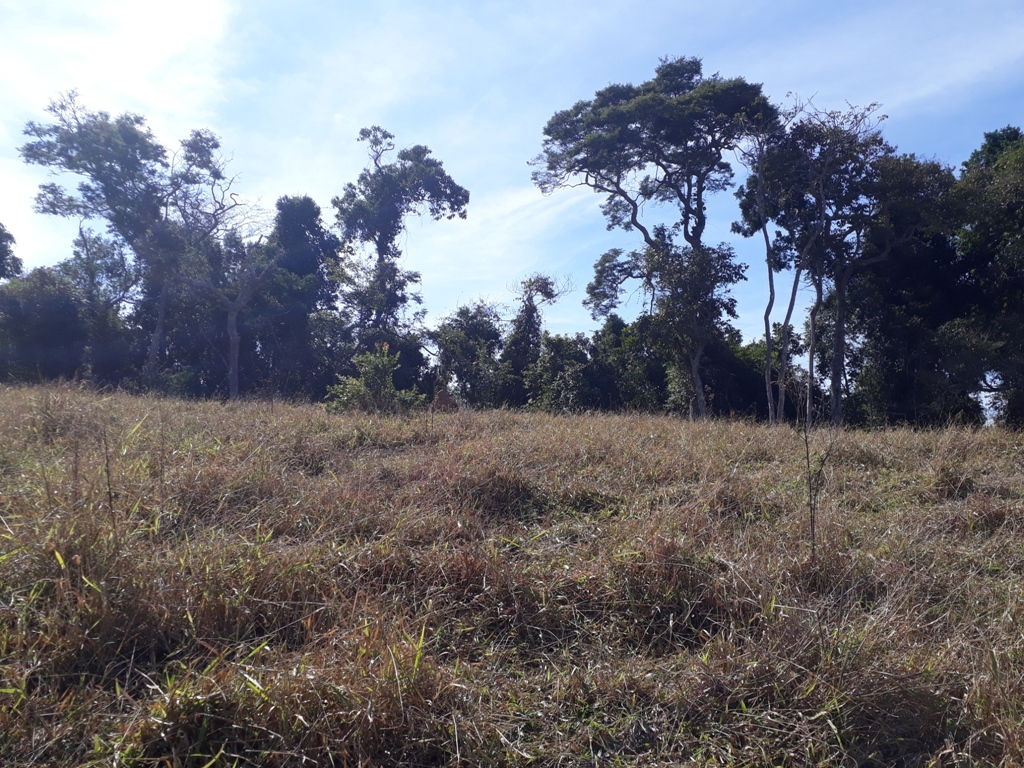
{"type": "Point", "coordinates": [901, 54]}
{"type": "Point", "coordinates": [288, 88]}
{"type": "Point", "coordinates": [119, 54]}
{"type": "Point", "coordinates": [507, 235]}
{"type": "Point", "coordinates": [158, 60]}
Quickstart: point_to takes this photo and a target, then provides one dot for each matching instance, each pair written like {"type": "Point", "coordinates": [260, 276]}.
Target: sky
{"type": "Point", "coordinates": [287, 87]}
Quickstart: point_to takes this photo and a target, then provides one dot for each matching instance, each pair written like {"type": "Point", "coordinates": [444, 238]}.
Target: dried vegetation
{"type": "Point", "coordinates": [197, 584]}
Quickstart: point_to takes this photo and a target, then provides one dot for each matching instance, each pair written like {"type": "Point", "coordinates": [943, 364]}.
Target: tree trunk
{"type": "Point", "coordinates": [234, 342]}
{"type": "Point", "coordinates": [700, 401]}
{"type": "Point", "coordinates": [156, 340]}
{"type": "Point", "coordinates": [839, 350]}
{"type": "Point", "coordinates": [772, 413]}
{"type": "Point", "coordinates": [812, 342]}
{"type": "Point", "coordinates": [780, 408]}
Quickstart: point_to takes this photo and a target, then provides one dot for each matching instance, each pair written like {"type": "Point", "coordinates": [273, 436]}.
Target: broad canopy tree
{"type": "Point", "coordinates": [989, 341]}
{"type": "Point", "coordinates": [159, 204]}
{"type": "Point", "coordinates": [663, 141]}
{"type": "Point", "coordinates": [373, 212]}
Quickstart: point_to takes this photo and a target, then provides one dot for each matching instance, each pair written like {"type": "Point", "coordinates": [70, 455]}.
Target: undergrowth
{"type": "Point", "coordinates": [199, 584]}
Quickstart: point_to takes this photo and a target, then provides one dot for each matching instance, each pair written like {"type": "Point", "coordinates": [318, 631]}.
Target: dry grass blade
{"type": "Point", "coordinates": [194, 584]}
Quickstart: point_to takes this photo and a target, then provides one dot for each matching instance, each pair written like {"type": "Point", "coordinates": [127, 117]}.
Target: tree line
{"type": "Point", "coordinates": [914, 267]}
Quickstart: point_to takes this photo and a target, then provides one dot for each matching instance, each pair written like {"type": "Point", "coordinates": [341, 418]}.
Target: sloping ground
{"type": "Point", "coordinates": [196, 584]}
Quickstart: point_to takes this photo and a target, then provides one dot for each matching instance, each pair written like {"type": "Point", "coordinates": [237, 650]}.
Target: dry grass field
{"type": "Point", "coordinates": [198, 584]}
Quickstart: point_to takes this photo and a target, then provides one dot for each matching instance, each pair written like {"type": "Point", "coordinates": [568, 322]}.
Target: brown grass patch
{"type": "Point", "coordinates": [198, 584]}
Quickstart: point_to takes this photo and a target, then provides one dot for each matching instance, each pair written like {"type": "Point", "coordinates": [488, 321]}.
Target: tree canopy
{"type": "Point", "coordinates": [174, 282]}
{"type": "Point", "coordinates": [10, 265]}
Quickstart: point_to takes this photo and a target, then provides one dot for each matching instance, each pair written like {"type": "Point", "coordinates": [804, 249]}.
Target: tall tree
{"type": "Point", "coordinates": [304, 285]}
{"type": "Point", "coordinates": [468, 343]}
{"type": "Point", "coordinates": [373, 212]}
{"type": "Point", "coordinates": [825, 192]}
{"type": "Point", "coordinates": [764, 132]}
{"type": "Point", "coordinates": [663, 141]}
{"type": "Point", "coordinates": [991, 241]}
{"type": "Point", "coordinates": [522, 346]}
{"type": "Point", "coordinates": [159, 204]}
{"type": "Point", "coordinates": [901, 197]}
{"type": "Point", "coordinates": [687, 293]}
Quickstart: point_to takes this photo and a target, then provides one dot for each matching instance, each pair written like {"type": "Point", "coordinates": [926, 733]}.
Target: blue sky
{"type": "Point", "coordinates": [287, 88]}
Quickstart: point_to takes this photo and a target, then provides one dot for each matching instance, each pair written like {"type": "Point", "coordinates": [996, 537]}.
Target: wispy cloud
{"type": "Point", "coordinates": [508, 234]}
{"type": "Point", "coordinates": [288, 88]}
{"type": "Point", "coordinates": [156, 59]}
{"type": "Point", "coordinates": [161, 61]}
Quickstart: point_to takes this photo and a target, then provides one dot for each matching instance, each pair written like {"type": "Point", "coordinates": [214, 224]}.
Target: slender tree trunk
{"type": "Point", "coordinates": [700, 401]}
{"type": "Point", "coordinates": [156, 340]}
{"type": "Point", "coordinates": [784, 345]}
{"type": "Point", "coordinates": [773, 416]}
{"type": "Point", "coordinates": [234, 342]}
{"type": "Point", "coordinates": [233, 307]}
{"type": "Point", "coordinates": [839, 349]}
{"type": "Point", "coordinates": [784, 342]}
{"type": "Point", "coordinates": [248, 281]}
{"type": "Point", "coordinates": [812, 343]}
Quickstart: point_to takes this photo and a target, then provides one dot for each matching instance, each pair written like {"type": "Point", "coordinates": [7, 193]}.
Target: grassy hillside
{"type": "Point", "coordinates": [197, 584]}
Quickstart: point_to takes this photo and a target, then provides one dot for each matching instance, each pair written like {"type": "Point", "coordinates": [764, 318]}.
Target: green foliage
{"type": "Point", "coordinates": [523, 344]}
{"type": "Point", "coordinates": [124, 170]}
{"type": "Point", "coordinates": [467, 345]}
{"type": "Point", "coordinates": [992, 245]}
{"type": "Point", "coordinates": [10, 265]}
{"type": "Point", "coordinates": [166, 208]}
{"type": "Point", "coordinates": [561, 375]}
{"type": "Point", "coordinates": [43, 327]}
{"type": "Point", "coordinates": [629, 350]}
{"type": "Point", "coordinates": [686, 293]}
{"type": "Point", "coordinates": [374, 208]}
{"type": "Point", "coordinates": [374, 390]}
{"type": "Point", "coordinates": [911, 364]}
{"type": "Point", "coordinates": [617, 368]}
{"type": "Point", "coordinates": [283, 352]}
{"type": "Point", "coordinates": [373, 211]}
{"type": "Point", "coordinates": [661, 142]}
{"type": "Point", "coordinates": [105, 277]}
{"type": "Point", "coordinates": [917, 275]}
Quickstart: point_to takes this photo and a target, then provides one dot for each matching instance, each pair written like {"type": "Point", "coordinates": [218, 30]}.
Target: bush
{"type": "Point", "coordinates": [374, 390]}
